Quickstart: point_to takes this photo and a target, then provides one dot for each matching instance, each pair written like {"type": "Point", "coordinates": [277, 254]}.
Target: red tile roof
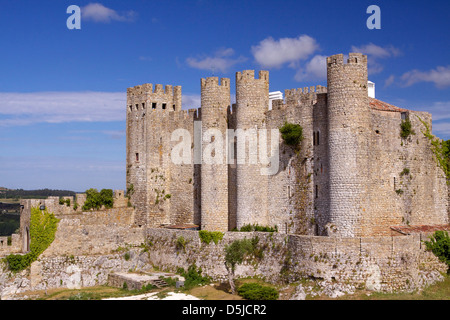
{"type": "Point", "coordinates": [420, 228]}
{"type": "Point", "coordinates": [384, 106]}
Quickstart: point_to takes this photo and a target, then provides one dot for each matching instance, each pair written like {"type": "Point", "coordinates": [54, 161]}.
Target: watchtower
{"type": "Point", "coordinates": [348, 132]}
{"type": "Point", "coordinates": [252, 102]}
{"type": "Point", "coordinates": [215, 101]}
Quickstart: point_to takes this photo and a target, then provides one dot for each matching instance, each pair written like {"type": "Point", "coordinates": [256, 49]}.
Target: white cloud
{"type": "Point", "coordinates": [272, 53]}
{"type": "Point", "coordinates": [191, 101]}
{"type": "Point", "coordinates": [439, 76]}
{"type": "Point", "coordinates": [374, 53]}
{"type": "Point", "coordinates": [441, 129]}
{"type": "Point", "coordinates": [99, 13]}
{"type": "Point", "coordinates": [59, 107]}
{"type": "Point", "coordinates": [377, 51]}
{"type": "Point", "coordinates": [315, 69]}
{"type": "Point", "coordinates": [390, 80]}
{"type": "Point", "coordinates": [221, 61]}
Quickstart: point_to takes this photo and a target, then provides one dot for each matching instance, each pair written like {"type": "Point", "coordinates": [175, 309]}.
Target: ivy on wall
{"type": "Point", "coordinates": [440, 148]}
{"type": "Point", "coordinates": [43, 225]}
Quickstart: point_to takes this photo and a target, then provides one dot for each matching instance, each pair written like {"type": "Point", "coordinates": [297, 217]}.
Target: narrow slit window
{"type": "Point", "coordinates": [318, 138]}
{"type": "Point", "coordinates": [314, 138]}
{"type": "Point", "coordinates": [173, 107]}
{"type": "Point", "coordinates": [143, 105]}
{"type": "Point", "coordinates": [289, 191]}
{"type": "Point", "coordinates": [137, 106]}
{"type": "Point", "coordinates": [137, 157]}
{"type": "Point", "coordinates": [317, 191]}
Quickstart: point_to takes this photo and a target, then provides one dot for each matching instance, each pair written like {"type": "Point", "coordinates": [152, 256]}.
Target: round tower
{"type": "Point", "coordinates": [348, 126]}
{"type": "Point", "coordinates": [252, 101]}
{"type": "Point", "coordinates": [215, 100]}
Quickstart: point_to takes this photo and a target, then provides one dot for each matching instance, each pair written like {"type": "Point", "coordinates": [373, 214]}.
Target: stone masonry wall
{"type": "Point", "coordinates": [375, 263]}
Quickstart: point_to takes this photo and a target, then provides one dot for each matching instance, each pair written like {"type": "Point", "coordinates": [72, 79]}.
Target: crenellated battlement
{"type": "Point", "coordinates": [154, 97]}
{"type": "Point", "coordinates": [214, 81]}
{"type": "Point", "coordinates": [299, 92]}
{"type": "Point", "coordinates": [249, 75]}
{"type": "Point", "coordinates": [353, 59]}
{"type": "Point", "coordinates": [147, 88]}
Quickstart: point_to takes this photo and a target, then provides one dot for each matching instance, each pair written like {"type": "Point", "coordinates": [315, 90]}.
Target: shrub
{"type": "Point", "coordinates": [406, 129]}
{"type": "Point", "coordinates": [181, 243]}
{"type": "Point", "coordinates": [193, 277]}
{"type": "Point", "coordinates": [404, 172]}
{"type": "Point", "coordinates": [292, 134]}
{"type": "Point", "coordinates": [256, 291]}
{"type": "Point", "coordinates": [208, 236]}
{"type": "Point", "coordinates": [255, 227]}
{"type": "Point", "coordinates": [439, 244]}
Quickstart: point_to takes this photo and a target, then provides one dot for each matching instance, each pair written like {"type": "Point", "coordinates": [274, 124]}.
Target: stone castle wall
{"type": "Point", "coordinates": [90, 246]}
{"type": "Point", "coordinates": [345, 181]}
{"type": "Point", "coordinates": [376, 263]}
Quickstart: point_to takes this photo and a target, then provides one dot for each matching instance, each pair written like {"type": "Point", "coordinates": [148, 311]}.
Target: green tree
{"type": "Point", "coordinates": [107, 198]}
{"type": "Point", "coordinates": [292, 134]}
{"type": "Point", "coordinates": [235, 253]}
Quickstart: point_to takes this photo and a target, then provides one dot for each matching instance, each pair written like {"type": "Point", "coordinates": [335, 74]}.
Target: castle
{"type": "Point", "coordinates": [353, 203]}
{"type": "Point", "coordinates": [354, 174]}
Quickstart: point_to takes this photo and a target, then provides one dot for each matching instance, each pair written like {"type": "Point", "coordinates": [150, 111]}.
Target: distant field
{"type": "Point", "coordinates": [9, 200]}
{"type": "Point", "coordinates": [9, 223]}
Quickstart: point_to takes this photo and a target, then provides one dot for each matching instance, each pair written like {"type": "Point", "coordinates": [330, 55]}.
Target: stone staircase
{"type": "Point", "coordinates": [135, 281]}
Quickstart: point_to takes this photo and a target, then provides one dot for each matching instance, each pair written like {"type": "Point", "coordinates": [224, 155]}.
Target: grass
{"type": "Point", "coordinates": [221, 291]}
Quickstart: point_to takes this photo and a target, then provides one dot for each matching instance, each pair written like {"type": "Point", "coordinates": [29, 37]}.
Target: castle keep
{"type": "Point", "coordinates": [353, 175]}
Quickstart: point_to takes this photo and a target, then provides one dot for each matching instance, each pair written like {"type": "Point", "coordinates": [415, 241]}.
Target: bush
{"type": "Point", "coordinates": [406, 129]}
{"type": "Point", "coordinates": [193, 277]}
{"type": "Point", "coordinates": [208, 236]}
{"type": "Point", "coordinates": [439, 244]}
{"type": "Point", "coordinates": [255, 291]}
{"type": "Point", "coordinates": [292, 134]}
{"type": "Point", "coordinates": [255, 227]}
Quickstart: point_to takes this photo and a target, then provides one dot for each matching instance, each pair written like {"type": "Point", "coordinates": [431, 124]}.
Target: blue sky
{"type": "Point", "coordinates": [63, 92]}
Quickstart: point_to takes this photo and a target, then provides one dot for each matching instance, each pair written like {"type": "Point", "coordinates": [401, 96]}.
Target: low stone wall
{"type": "Point", "coordinates": [96, 232]}
{"type": "Point", "coordinates": [15, 245]}
{"type": "Point", "coordinates": [84, 253]}
{"type": "Point", "coordinates": [375, 263]}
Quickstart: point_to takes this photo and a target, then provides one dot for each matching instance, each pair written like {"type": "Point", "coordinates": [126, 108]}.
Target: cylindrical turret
{"type": "Point", "coordinates": [215, 100]}
{"type": "Point", "coordinates": [348, 126]}
{"type": "Point", "coordinates": [252, 101]}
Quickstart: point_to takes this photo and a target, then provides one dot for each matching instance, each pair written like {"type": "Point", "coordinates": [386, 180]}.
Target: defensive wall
{"type": "Point", "coordinates": [91, 245]}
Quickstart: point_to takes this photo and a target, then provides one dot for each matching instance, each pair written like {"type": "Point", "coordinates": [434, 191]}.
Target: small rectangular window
{"type": "Point", "coordinates": [137, 157]}
{"type": "Point", "coordinates": [318, 139]}
{"type": "Point", "coordinates": [164, 106]}
{"type": "Point", "coordinates": [143, 105]}
{"type": "Point", "coordinates": [137, 106]}
{"type": "Point", "coordinates": [154, 105]}
{"type": "Point", "coordinates": [173, 107]}
{"type": "Point", "coordinates": [317, 191]}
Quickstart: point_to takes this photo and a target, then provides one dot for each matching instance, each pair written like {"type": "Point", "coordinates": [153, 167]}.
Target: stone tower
{"type": "Point", "coordinates": [215, 101]}
{"type": "Point", "coordinates": [252, 102]}
{"type": "Point", "coordinates": [147, 111]}
{"type": "Point", "coordinates": [348, 133]}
